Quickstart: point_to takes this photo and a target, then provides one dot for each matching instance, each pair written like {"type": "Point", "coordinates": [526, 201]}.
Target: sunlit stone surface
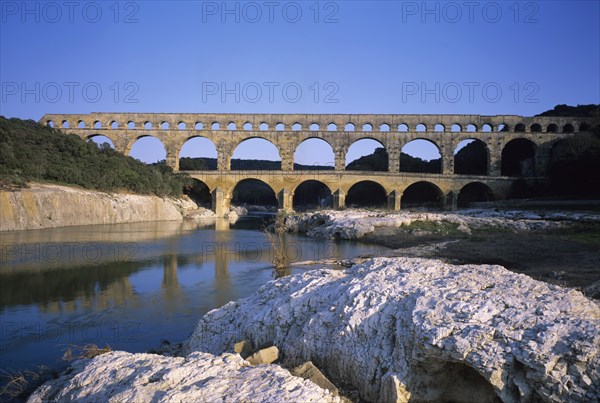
{"type": "Point", "coordinates": [421, 329]}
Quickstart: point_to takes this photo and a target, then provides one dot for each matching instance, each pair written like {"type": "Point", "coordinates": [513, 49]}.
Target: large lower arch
{"type": "Point", "coordinates": [199, 192]}
{"type": "Point", "coordinates": [367, 154]}
{"type": "Point", "coordinates": [311, 195]}
{"type": "Point", "coordinates": [198, 154]}
{"type": "Point", "coordinates": [471, 157]}
{"type": "Point", "coordinates": [421, 155]}
{"type": "Point", "coordinates": [366, 194]}
{"type": "Point", "coordinates": [148, 149]}
{"type": "Point", "coordinates": [253, 192]}
{"type": "Point", "coordinates": [474, 192]}
{"type": "Point", "coordinates": [256, 153]}
{"type": "Point", "coordinates": [423, 194]}
{"type": "Point", "coordinates": [314, 153]}
{"type": "Point", "coordinates": [518, 158]}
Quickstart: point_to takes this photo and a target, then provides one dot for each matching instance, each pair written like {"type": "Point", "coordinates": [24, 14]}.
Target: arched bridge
{"type": "Point", "coordinates": [288, 131]}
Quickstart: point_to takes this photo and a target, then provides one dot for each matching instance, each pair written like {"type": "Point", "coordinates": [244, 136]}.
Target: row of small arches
{"type": "Point", "coordinates": [367, 127]}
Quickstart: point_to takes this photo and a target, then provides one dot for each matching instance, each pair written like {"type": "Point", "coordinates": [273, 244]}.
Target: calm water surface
{"type": "Point", "coordinates": [131, 285]}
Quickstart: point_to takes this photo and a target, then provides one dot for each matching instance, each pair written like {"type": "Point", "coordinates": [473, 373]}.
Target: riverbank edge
{"type": "Point", "coordinates": [44, 205]}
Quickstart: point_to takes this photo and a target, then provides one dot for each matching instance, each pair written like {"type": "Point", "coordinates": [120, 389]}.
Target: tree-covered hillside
{"type": "Point", "coordinates": [591, 110]}
{"type": "Point", "coordinates": [30, 151]}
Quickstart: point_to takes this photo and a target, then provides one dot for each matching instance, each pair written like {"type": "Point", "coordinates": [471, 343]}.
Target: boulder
{"type": "Point", "coordinates": [400, 329]}
{"type": "Point", "coordinates": [264, 356]}
{"type": "Point", "coordinates": [199, 377]}
{"type": "Point", "coordinates": [309, 371]}
{"type": "Point", "coordinates": [243, 348]}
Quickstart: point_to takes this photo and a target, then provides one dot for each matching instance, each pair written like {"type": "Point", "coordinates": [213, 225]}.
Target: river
{"type": "Point", "coordinates": [129, 286]}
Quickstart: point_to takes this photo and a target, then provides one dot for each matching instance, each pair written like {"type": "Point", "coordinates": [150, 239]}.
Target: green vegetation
{"type": "Point", "coordinates": [210, 164]}
{"type": "Point", "coordinates": [574, 167]}
{"type": "Point", "coordinates": [32, 152]}
{"type": "Point", "coordinates": [591, 110]}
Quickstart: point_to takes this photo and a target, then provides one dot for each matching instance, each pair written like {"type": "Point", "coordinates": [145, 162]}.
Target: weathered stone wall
{"type": "Point", "coordinates": [286, 132]}
{"type": "Point", "coordinates": [45, 206]}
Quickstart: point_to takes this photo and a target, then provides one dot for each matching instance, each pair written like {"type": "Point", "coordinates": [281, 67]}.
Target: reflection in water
{"type": "Point", "coordinates": [170, 275]}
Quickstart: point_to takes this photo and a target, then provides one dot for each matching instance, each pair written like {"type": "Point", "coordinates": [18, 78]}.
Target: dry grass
{"type": "Point", "coordinates": [18, 385]}
{"type": "Point", "coordinates": [277, 240]}
{"type": "Point", "coordinates": [74, 352]}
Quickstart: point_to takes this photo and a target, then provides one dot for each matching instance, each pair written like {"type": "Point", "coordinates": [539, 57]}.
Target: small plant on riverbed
{"type": "Point", "coordinates": [18, 385]}
{"type": "Point", "coordinates": [74, 352]}
{"type": "Point", "coordinates": [277, 239]}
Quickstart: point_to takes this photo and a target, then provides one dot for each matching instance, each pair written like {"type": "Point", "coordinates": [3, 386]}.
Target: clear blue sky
{"type": "Point", "coordinates": [365, 57]}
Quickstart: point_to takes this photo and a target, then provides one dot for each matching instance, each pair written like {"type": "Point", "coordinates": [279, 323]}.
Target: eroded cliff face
{"type": "Point", "coordinates": [45, 206]}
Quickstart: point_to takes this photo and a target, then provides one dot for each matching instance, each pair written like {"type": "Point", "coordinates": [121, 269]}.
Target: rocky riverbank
{"type": "Point", "coordinates": [556, 247]}
{"type": "Point", "coordinates": [48, 205]}
{"type": "Point", "coordinates": [356, 224]}
{"type": "Point", "coordinates": [395, 329]}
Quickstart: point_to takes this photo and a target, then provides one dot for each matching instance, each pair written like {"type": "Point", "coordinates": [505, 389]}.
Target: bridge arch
{"type": "Point", "coordinates": [199, 192]}
{"type": "Point", "coordinates": [568, 128]}
{"type": "Point", "coordinates": [471, 157]}
{"type": "Point", "coordinates": [422, 194]}
{"type": "Point", "coordinates": [366, 193]}
{"type": "Point", "coordinates": [253, 191]}
{"type": "Point", "coordinates": [474, 192]}
{"type": "Point", "coordinates": [189, 154]}
{"type": "Point", "coordinates": [319, 149]}
{"type": "Point", "coordinates": [99, 139]}
{"type": "Point", "coordinates": [552, 128]}
{"type": "Point", "coordinates": [248, 148]}
{"type": "Point", "coordinates": [584, 126]}
{"type": "Point", "coordinates": [311, 194]}
{"type": "Point", "coordinates": [457, 128]}
{"type": "Point", "coordinates": [535, 128]}
{"type": "Point", "coordinates": [415, 149]}
{"type": "Point", "coordinates": [147, 148]}
{"type": "Point", "coordinates": [518, 158]}
{"type": "Point", "coordinates": [369, 146]}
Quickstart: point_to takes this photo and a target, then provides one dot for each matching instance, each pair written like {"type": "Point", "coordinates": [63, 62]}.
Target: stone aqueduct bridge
{"type": "Point", "coordinates": [287, 131]}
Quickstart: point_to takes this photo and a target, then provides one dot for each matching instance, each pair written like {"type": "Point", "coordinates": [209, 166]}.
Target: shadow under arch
{"type": "Point", "coordinates": [471, 157]}
{"type": "Point", "coordinates": [312, 194]}
{"type": "Point", "coordinates": [518, 158]}
{"type": "Point", "coordinates": [423, 194]}
{"type": "Point", "coordinates": [252, 191]}
{"type": "Point", "coordinates": [474, 192]}
{"type": "Point", "coordinates": [366, 194]}
{"type": "Point", "coordinates": [199, 192]}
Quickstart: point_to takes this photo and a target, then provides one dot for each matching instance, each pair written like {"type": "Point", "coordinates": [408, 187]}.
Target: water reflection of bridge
{"type": "Point", "coordinates": [106, 285]}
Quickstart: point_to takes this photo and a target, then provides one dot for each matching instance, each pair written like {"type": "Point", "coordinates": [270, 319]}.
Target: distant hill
{"type": "Point", "coordinates": [584, 111]}
{"type": "Point", "coordinates": [30, 151]}
{"type": "Point", "coordinates": [200, 164]}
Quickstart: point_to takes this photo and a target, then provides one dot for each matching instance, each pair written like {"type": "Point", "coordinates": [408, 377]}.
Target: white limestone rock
{"type": "Point", "coordinates": [355, 224]}
{"type": "Point", "coordinates": [199, 377]}
{"type": "Point", "coordinates": [406, 328]}
{"type": "Point", "coordinates": [200, 213]}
